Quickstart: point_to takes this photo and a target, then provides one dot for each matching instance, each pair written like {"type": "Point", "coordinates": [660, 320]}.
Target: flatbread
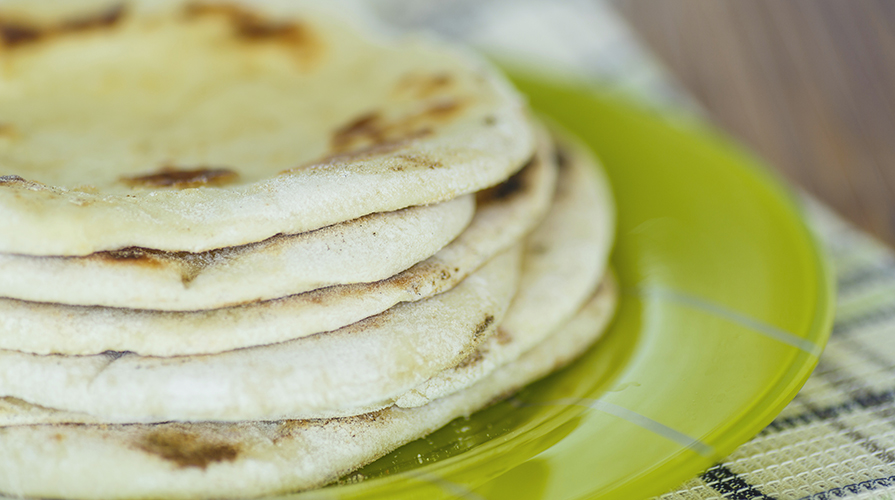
{"type": "Point", "coordinates": [344, 372]}
{"type": "Point", "coordinates": [565, 260]}
{"type": "Point", "coordinates": [214, 126]}
{"type": "Point", "coordinates": [363, 250]}
{"type": "Point", "coordinates": [248, 459]}
{"type": "Point", "coordinates": [504, 214]}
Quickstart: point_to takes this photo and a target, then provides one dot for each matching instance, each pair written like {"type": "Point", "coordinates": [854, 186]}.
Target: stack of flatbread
{"type": "Point", "coordinates": [246, 251]}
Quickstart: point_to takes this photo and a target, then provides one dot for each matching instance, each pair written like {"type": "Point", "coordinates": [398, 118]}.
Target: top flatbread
{"type": "Point", "coordinates": [215, 126]}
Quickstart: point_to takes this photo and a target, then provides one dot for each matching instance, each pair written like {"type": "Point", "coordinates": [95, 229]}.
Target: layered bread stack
{"type": "Point", "coordinates": [247, 251]}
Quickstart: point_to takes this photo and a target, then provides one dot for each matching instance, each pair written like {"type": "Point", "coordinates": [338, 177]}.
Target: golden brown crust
{"type": "Point", "coordinates": [175, 177]}
{"type": "Point", "coordinates": [373, 128]}
{"type": "Point", "coordinates": [176, 443]}
{"type": "Point", "coordinates": [19, 32]}
{"type": "Point", "coordinates": [251, 28]}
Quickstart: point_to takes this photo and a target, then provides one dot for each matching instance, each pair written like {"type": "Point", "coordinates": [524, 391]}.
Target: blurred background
{"type": "Point", "coordinates": [808, 85]}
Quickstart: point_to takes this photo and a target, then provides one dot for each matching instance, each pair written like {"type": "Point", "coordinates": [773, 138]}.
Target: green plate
{"type": "Point", "coordinates": [727, 302]}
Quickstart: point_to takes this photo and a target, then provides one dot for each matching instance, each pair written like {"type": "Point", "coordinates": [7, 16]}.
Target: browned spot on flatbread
{"type": "Point", "coordinates": [114, 355]}
{"type": "Point", "coordinates": [186, 449]}
{"type": "Point", "coordinates": [423, 85]}
{"type": "Point", "coordinates": [100, 20]}
{"type": "Point", "coordinates": [561, 156]}
{"type": "Point", "coordinates": [365, 126]}
{"type": "Point", "coordinates": [188, 264]}
{"type": "Point", "coordinates": [174, 177]}
{"type": "Point", "coordinates": [371, 151]}
{"type": "Point", "coordinates": [8, 130]}
{"type": "Point", "coordinates": [518, 183]}
{"type": "Point", "coordinates": [251, 27]}
{"type": "Point", "coordinates": [373, 128]}
{"type": "Point", "coordinates": [416, 161]}
{"type": "Point", "coordinates": [15, 33]}
{"type": "Point", "coordinates": [246, 23]}
{"type": "Point", "coordinates": [132, 255]}
{"type": "Point", "coordinates": [442, 110]}
{"type": "Point", "coordinates": [423, 275]}
{"type": "Point", "coordinates": [508, 188]}
{"type": "Point", "coordinates": [17, 182]}
{"type": "Point", "coordinates": [6, 180]}
{"type": "Point", "coordinates": [288, 428]}
{"type": "Point", "coordinates": [372, 416]}
{"type": "Point", "coordinates": [422, 279]}
{"type": "Point", "coordinates": [476, 357]}
{"type": "Point", "coordinates": [408, 278]}
{"type": "Point", "coordinates": [503, 336]}
{"type": "Point", "coordinates": [438, 81]}
{"type": "Point", "coordinates": [482, 327]}
{"type": "Point", "coordinates": [380, 148]}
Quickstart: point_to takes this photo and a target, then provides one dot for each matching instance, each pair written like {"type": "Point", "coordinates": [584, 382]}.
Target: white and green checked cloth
{"type": "Point", "coordinates": [837, 438]}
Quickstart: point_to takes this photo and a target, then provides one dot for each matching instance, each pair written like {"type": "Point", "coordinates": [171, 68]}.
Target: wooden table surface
{"type": "Point", "coordinates": [808, 84]}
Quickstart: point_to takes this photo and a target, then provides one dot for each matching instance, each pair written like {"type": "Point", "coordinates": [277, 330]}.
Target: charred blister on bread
{"type": "Point", "coordinates": [473, 359]}
{"type": "Point", "coordinates": [16, 33]}
{"type": "Point", "coordinates": [170, 176]}
{"type": "Point", "coordinates": [483, 326]}
{"type": "Point", "coordinates": [518, 184]}
{"type": "Point", "coordinates": [503, 336]}
{"type": "Point", "coordinates": [176, 443]}
{"type": "Point", "coordinates": [423, 85]}
{"type": "Point", "coordinates": [8, 131]}
{"type": "Point", "coordinates": [374, 127]}
{"type": "Point", "coordinates": [252, 28]}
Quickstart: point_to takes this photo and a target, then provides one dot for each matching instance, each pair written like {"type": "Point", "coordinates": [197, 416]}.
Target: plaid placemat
{"type": "Point", "coordinates": [837, 438]}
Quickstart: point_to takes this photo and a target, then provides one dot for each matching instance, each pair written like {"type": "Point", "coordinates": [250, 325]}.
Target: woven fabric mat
{"type": "Point", "coordinates": [837, 438]}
